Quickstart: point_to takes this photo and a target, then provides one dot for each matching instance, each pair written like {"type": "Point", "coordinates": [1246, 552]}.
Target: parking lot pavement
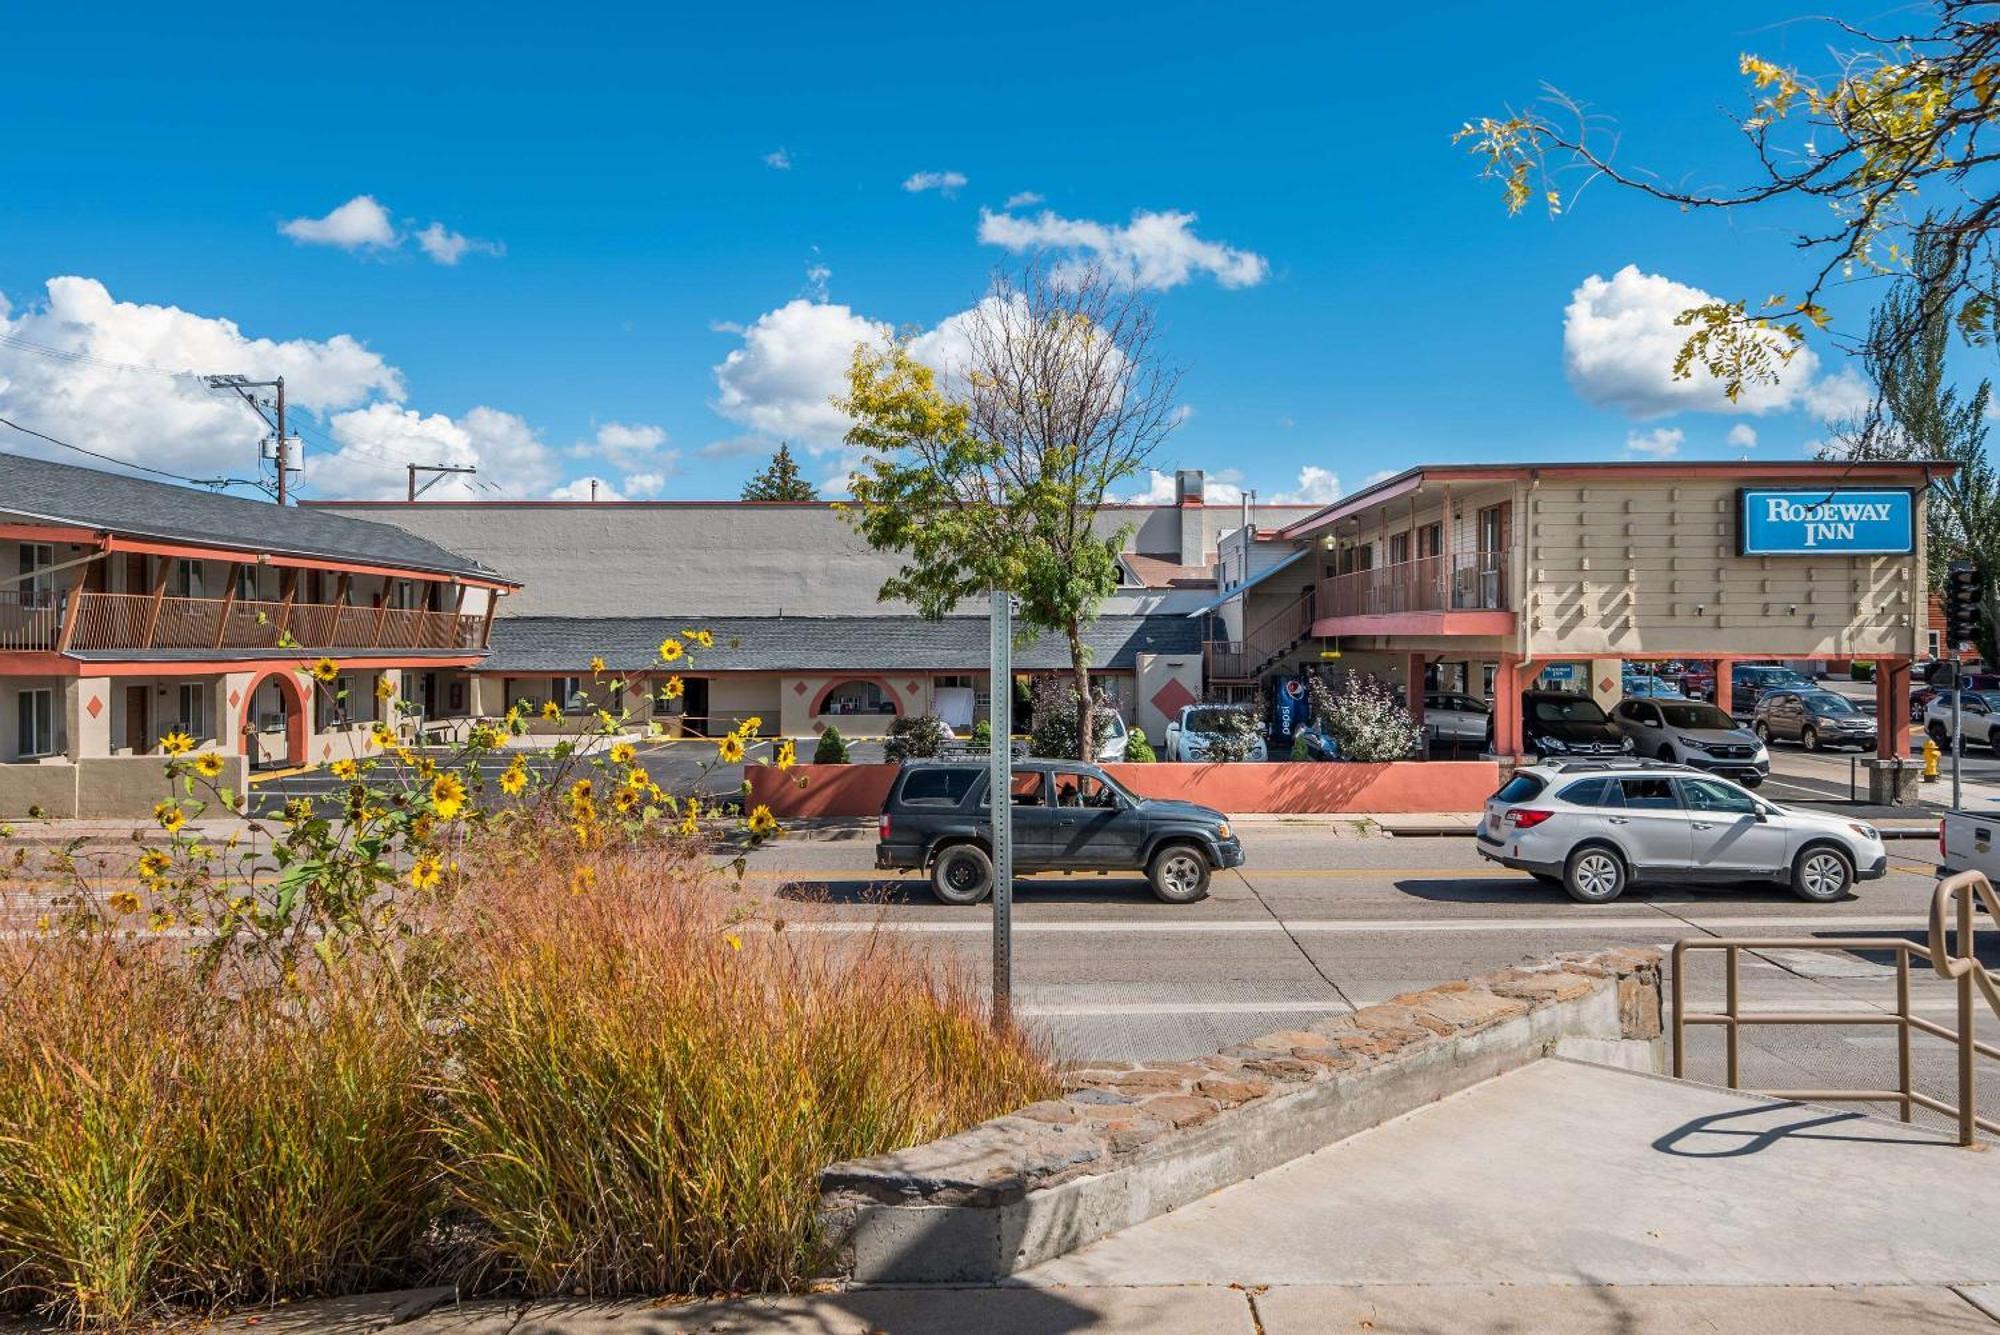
{"type": "Point", "coordinates": [1315, 925]}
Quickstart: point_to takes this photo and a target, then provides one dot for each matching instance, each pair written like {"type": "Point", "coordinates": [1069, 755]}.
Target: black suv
{"type": "Point", "coordinates": [1067, 817]}
{"type": "Point", "coordinates": [1560, 723]}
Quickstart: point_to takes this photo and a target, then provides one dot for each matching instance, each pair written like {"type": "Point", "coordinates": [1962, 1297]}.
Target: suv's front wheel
{"type": "Point", "coordinates": [1822, 874]}
{"type": "Point", "coordinates": [1179, 874]}
{"type": "Point", "coordinates": [962, 874]}
{"type": "Point", "coordinates": [1594, 875]}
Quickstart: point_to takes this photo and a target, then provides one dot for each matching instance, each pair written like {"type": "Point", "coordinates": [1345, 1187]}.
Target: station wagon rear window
{"type": "Point", "coordinates": [1520, 788]}
{"type": "Point", "coordinates": [939, 787]}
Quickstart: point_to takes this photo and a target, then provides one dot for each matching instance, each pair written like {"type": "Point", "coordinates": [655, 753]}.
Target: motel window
{"type": "Point", "coordinates": [568, 692]}
{"type": "Point", "coordinates": [333, 705]}
{"type": "Point", "coordinates": [246, 583]}
{"type": "Point", "coordinates": [1934, 643]}
{"type": "Point", "coordinates": [858, 697]}
{"type": "Point", "coordinates": [188, 580]}
{"type": "Point", "coordinates": [1399, 548]}
{"type": "Point", "coordinates": [35, 717]}
{"type": "Point", "coordinates": [193, 703]}
{"type": "Point", "coordinates": [37, 586]}
{"type": "Point", "coordinates": [1430, 540]}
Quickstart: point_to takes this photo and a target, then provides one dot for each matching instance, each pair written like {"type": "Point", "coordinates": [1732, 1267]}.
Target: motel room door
{"type": "Point", "coordinates": [694, 705]}
{"type": "Point", "coordinates": [138, 733]}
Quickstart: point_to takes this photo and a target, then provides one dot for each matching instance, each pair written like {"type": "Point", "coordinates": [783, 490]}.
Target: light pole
{"type": "Point", "coordinates": [1000, 801]}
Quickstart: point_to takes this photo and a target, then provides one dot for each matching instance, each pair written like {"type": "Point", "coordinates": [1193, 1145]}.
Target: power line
{"type": "Point", "coordinates": [126, 463]}
{"type": "Point", "coordinates": [84, 358]}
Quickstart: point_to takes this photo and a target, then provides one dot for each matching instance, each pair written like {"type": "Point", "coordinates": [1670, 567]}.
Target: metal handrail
{"type": "Point", "coordinates": [1960, 893]}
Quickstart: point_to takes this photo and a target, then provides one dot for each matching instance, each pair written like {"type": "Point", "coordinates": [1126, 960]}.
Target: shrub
{"type": "Point", "coordinates": [1232, 738]}
{"type": "Point", "coordinates": [1138, 751]}
{"type": "Point", "coordinates": [1861, 669]}
{"type": "Point", "coordinates": [1299, 747]}
{"type": "Point", "coordinates": [1055, 734]}
{"type": "Point", "coordinates": [982, 735]}
{"type": "Point", "coordinates": [832, 748]}
{"type": "Point", "coordinates": [1365, 722]}
{"type": "Point", "coordinates": [922, 737]}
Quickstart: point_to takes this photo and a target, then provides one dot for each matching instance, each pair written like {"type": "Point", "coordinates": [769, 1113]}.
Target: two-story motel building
{"type": "Point", "coordinates": [130, 609]}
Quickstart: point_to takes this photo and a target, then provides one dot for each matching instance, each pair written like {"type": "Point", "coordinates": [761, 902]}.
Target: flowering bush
{"type": "Point", "coordinates": [1055, 734]}
{"type": "Point", "coordinates": [1365, 721]}
{"type": "Point", "coordinates": [916, 737]}
{"type": "Point", "coordinates": [359, 1045]}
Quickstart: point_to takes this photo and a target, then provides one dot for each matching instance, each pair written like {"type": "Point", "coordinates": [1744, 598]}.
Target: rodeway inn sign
{"type": "Point", "coordinates": [1823, 522]}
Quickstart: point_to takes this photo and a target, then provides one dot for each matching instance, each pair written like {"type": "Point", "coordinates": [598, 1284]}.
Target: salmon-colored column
{"type": "Point", "coordinates": [1413, 695]}
{"type": "Point", "coordinates": [1725, 687]}
{"type": "Point", "coordinates": [1507, 708]}
{"type": "Point", "coordinates": [1892, 707]}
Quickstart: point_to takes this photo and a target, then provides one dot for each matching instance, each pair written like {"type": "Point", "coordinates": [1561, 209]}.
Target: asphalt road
{"type": "Point", "coordinates": [1319, 922]}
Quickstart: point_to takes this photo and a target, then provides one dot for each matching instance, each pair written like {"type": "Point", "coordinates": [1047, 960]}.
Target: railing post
{"type": "Point", "coordinates": [228, 601]}
{"type": "Point", "coordinates": [1680, 1008]}
{"type": "Point", "coordinates": [1731, 1029]}
{"type": "Point", "coordinates": [159, 601]}
{"type": "Point", "coordinates": [1903, 1029]}
{"type": "Point", "coordinates": [1968, 1124]}
{"type": "Point", "coordinates": [70, 614]}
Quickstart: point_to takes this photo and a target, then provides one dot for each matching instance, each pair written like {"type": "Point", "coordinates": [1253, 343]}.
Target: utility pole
{"type": "Point", "coordinates": [281, 451]}
{"type": "Point", "coordinates": [438, 473]}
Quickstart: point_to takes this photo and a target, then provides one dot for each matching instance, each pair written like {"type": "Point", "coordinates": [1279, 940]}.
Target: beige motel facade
{"type": "Point", "coordinates": [1479, 578]}
{"type": "Point", "coordinates": [131, 609]}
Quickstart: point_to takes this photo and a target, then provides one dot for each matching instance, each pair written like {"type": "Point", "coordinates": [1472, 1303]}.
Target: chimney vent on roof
{"type": "Point", "coordinates": [1187, 486]}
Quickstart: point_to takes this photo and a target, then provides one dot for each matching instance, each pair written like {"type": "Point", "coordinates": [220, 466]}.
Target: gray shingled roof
{"type": "Point", "coordinates": [818, 644]}
{"type": "Point", "coordinates": [134, 507]}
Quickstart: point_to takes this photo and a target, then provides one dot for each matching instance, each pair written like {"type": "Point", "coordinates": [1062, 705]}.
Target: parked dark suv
{"type": "Point", "coordinates": [1560, 724]}
{"type": "Point", "coordinates": [1813, 719]}
{"type": "Point", "coordinates": [1067, 817]}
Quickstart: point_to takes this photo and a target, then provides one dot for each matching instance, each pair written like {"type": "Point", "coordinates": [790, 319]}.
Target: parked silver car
{"type": "Point", "coordinates": [1449, 717]}
{"type": "Point", "coordinates": [1595, 827]}
{"type": "Point", "coordinates": [1692, 733]}
{"type": "Point", "coordinates": [1189, 733]}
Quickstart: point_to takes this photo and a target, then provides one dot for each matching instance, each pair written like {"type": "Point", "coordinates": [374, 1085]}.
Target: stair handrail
{"type": "Point", "coordinates": [1963, 892]}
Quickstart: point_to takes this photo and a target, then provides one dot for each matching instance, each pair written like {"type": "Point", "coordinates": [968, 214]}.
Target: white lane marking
{"type": "Point", "coordinates": [1649, 923]}
{"type": "Point", "coordinates": [1189, 1008]}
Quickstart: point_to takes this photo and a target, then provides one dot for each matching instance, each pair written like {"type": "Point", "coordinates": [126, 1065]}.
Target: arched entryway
{"type": "Point", "coordinates": [280, 692]}
{"type": "Point", "coordinates": [868, 696]}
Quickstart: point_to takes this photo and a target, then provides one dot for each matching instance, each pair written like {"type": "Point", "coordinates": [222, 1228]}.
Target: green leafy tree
{"type": "Point", "coordinates": [1891, 149]}
{"type": "Point", "coordinates": [993, 475]}
{"type": "Point", "coordinates": [1057, 726]}
{"type": "Point", "coordinates": [780, 481]}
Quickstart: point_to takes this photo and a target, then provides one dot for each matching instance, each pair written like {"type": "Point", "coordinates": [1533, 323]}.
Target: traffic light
{"type": "Point", "coordinates": [1961, 604]}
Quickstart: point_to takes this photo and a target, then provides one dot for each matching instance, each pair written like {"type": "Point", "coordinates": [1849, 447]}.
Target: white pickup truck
{"type": "Point", "coordinates": [1967, 842]}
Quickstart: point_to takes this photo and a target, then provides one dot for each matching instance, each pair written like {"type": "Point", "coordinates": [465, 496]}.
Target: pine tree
{"type": "Point", "coordinates": [780, 481]}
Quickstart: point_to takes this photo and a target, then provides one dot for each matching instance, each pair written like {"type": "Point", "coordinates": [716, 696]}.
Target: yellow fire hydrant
{"type": "Point", "coordinates": [1931, 754]}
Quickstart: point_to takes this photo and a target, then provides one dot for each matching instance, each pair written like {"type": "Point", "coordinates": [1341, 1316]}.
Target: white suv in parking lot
{"type": "Point", "coordinates": [1594, 827]}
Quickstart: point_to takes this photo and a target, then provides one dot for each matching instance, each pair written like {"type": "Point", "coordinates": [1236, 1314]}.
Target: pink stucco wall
{"type": "Point", "coordinates": [1285, 788]}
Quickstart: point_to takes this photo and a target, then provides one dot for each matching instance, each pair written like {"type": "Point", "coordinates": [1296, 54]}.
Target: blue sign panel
{"type": "Point", "coordinates": [1559, 673]}
{"type": "Point", "coordinates": [1841, 521]}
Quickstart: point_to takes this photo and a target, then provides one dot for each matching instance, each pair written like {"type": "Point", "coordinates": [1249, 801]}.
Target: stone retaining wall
{"type": "Point", "coordinates": [1127, 1142]}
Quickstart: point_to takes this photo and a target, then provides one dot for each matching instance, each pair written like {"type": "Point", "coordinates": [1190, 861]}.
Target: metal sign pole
{"type": "Point", "coordinates": [1000, 801]}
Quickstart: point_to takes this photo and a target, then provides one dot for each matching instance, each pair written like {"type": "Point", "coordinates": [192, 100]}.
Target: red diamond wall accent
{"type": "Point", "coordinates": [798, 688]}
{"type": "Point", "coordinates": [94, 707]}
{"type": "Point", "coordinates": [911, 688]}
{"type": "Point", "coordinates": [235, 699]}
{"type": "Point", "coordinates": [1173, 697]}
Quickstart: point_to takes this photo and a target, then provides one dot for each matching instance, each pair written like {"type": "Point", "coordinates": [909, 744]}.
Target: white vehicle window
{"type": "Point", "coordinates": [1708, 795]}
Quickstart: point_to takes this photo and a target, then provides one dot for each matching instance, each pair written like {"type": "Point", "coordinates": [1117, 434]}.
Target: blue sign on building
{"type": "Point", "coordinates": [1820, 521]}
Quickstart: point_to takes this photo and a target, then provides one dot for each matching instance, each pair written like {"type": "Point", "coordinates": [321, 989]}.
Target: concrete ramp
{"type": "Point", "coordinates": [1567, 1174]}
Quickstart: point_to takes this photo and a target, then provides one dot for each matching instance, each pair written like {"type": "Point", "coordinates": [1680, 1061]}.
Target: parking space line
{"type": "Point", "coordinates": [1647, 921]}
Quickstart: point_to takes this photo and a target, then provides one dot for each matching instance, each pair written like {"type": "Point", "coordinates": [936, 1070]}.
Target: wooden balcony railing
{"type": "Point", "coordinates": [141, 622]}
{"type": "Point", "coordinates": [1473, 581]}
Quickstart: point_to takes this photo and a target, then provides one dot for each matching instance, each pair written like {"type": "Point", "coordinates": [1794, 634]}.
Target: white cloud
{"type": "Point", "coordinates": [1662, 442]}
{"type": "Point", "coordinates": [1742, 436]}
{"type": "Point", "coordinates": [781, 382]}
{"type": "Point", "coordinates": [587, 488]}
{"type": "Point", "coordinates": [738, 447]}
{"type": "Point", "coordinates": [448, 247]}
{"type": "Point", "coordinates": [818, 276]}
{"type": "Point", "coordinates": [1021, 200]}
{"type": "Point", "coordinates": [945, 183]}
{"type": "Point", "coordinates": [358, 224]}
{"type": "Point", "coordinates": [375, 443]}
{"type": "Point", "coordinates": [778, 159]}
{"type": "Point", "coordinates": [644, 484]}
{"type": "Point", "coordinates": [1841, 397]}
{"type": "Point", "coordinates": [725, 327]}
{"type": "Point", "coordinates": [1317, 486]}
{"type": "Point", "coordinates": [1619, 344]}
{"type": "Point", "coordinates": [633, 447]}
{"type": "Point", "coordinates": [1156, 250]}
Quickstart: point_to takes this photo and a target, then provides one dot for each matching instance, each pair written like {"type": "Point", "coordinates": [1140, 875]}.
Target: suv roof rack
{"type": "Point", "coordinates": [1588, 766]}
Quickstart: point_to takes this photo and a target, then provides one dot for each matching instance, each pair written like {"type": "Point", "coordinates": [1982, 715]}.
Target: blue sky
{"type": "Point", "coordinates": [625, 227]}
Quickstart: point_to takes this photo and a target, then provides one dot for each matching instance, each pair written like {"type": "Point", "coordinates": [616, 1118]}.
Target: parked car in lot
{"type": "Point", "coordinates": [1112, 737]}
{"type": "Point", "coordinates": [1748, 683]}
{"type": "Point", "coordinates": [1596, 827]}
{"type": "Point", "coordinates": [1450, 717]}
{"type": "Point", "coordinates": [1068, 816]}
{"type": "Point", "coordinates": [1190, 734]}
{"type": "Point", "coordinates": [1979, 716]}
{"type": "Point", "coordinates": [1639, 684]}
{"type": "Point", "coordinates": [1557, 723]}
{"type": "Point", "coordinates": [1695, 734]}
{"type": "Point", "coordinates": [1812, 718]}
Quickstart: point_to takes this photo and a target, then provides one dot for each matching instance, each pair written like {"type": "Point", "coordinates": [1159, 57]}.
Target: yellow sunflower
{"type": "Point", "coordinates": [124, 901]}
{"type": "Point", "coordinates": [700, 638]}
{"type": "Point", "coordinates": [426, 871]}
{"type": "Point", "coordinates": [177, 743]}
{"type": "Point", "coordinates": [751, 726]}
{"type": "Point", "coordinates": [671, 650]}
{"type": "Point", "coordinates": [154, 864]}
{"type": "Point", "coordinates": [325, 670]}
{"type": "Point", "coordinates": [513, 779]}
{"type": "Point", "coordinates": [344, 769]}
{"type": "Point", "coordinates": [447, 795]}
{"type": "Point", "coordinates": [626, 800]}
{"type": "Point", "coordinates": [384, 688]}
{"type": "Point", "coordinates": [170, 816]}
{"type": "Point", "coordinates": [674, 689]}
{"type": "Point", "coordinates": [623, 753]}
{"type": "Point", "coordinates": [209, 764]}
{"type": "Point", "coordinates": [729, 750]}
{"type": "Point", "coordinates": [787, 754]}
{"type": "Point", "coordinates": [551, 710]}
{"type": "Point", "coordinates": [382, 735]}
{"type": "Point", "coordinates": [762, 821]}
